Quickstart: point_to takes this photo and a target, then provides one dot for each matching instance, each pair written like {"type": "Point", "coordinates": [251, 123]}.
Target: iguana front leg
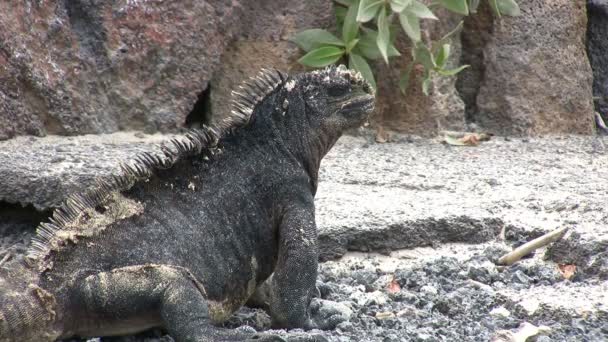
{"type": "Point", "coordinates": [293, 281]}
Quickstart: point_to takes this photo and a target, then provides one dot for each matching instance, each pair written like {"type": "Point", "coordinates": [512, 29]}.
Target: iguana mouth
{"type": "Point", "coordinates": [362, 104]}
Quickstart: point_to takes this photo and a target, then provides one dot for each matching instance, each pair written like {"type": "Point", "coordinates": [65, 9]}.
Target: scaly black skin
{"type": "Point", "coordinates": [212, 232]}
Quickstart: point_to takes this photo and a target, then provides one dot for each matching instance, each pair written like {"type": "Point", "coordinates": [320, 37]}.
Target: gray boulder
{"type": "Point", "coordinates": [44, 171]}
{"type": "Point", "coordinates": [533, 74]}
{"type": "Point", "coordinates": [597, 49]}
{"type": "Point", "coordinates": [90, 66]}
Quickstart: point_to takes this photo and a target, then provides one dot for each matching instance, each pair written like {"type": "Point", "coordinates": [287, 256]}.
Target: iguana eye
{"type": "Point", "coordinates": [338, 90]}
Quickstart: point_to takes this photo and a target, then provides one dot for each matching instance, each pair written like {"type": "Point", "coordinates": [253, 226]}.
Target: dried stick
{"type": "Point", "coordinates": [530, 246]}
{"type": "Point", "coordinates": [5, 258]}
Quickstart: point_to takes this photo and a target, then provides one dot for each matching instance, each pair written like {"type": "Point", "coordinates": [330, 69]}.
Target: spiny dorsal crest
{"type": "Point", "coordinates": [64, 222]}
{"type": "Point", "coordinates": [249, 94]}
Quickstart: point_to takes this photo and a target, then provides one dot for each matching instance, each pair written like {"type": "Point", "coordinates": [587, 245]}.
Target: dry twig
{"type": "Point", "coordinates": [5, 258]}
{"type": "Point", "coordinates": [530, 246]}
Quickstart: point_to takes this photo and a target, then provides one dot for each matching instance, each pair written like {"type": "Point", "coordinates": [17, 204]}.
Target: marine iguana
{"type": "Point", "coordinates": [184, 236]}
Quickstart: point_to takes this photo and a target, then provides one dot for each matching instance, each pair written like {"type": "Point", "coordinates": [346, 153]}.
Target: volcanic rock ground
{"type": "Point", "coordinates": [410, 232]}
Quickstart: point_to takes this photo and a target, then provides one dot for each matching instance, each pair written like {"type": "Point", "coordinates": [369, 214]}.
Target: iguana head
{"type": "Point", "coordinates": [335, 98]}
{"type": "Point", "coordinates": [305, 113]}
{"type": "Point", "coordinates": [316, 107]}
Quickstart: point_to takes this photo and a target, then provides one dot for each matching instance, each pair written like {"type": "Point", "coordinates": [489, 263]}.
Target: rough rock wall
{"type": "Point", "coordinates": [477, 32]}
{"type": "Point", "coordinates": [531, 73]}
{"type": "Point", "coordinates": [264, 42]}
{"type": "Point", "coordinates": [90, 66]}
{"type": "Point", "coordinates": [37, 175]}
{"type": "Point", "coordinates": [597, 49]}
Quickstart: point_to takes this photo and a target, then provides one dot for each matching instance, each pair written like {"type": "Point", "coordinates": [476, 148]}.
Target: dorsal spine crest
{"type": "Point", "coordinates": [194, 142]}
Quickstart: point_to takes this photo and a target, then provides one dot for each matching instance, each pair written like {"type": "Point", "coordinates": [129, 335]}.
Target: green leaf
{"type": "Point", "coordinates": [322, 56]}
{"type": "Point", "coordinates": [340, 15]}
{"type": "Point", "coordinates": [426, 84]}
{"type": "Point", "coordinates": [315, 38]}
{"type": "Point", "coordinates": [423, 55]}
{"type": "Point", "coordinates": [473, 4]}
{"type": "Point", "coordinates": [360, 64]}
{"type": "Point", "coordinates": [351, 26]}
{"type": "Point", "coordinates": [508, 7]}
{"type": "Point", "coordinates": [442, 56]}
{"type": "Point", "coordinates": [411, 25]}
{"type": "Point", "coordinates": [458, 6]}
{"type": "Point", "coordinates": [351, 45]}
{"type": "Point", "coordinates": [452, 72]}
{"type": "Point", "coordinates": [384, 34]}
{"type": "Point", "coordinates": [420, 10]}
{"type": "Point", "coordinates": [494, 7]}
{"type": "Point", "coordinates": [405, 79]}
{"type": "Point", "coordinates": [368, 10]}
{"type": "Point", "coordinates": [445, 39]}
{"type": "Point", "coordinates": [399, 5]}
{"type": "Point", "coordinates": [453, 32]}
{"type": "Point", "coordinates": [368, 48]}
{"type": "Point", "coordinates": [345, 2]}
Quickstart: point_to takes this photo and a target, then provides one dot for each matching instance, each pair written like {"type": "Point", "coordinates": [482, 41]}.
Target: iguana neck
{"type": "Point", "coordinates": [295, 132]}
{"type": "Point", "coordinates": [309, 145]}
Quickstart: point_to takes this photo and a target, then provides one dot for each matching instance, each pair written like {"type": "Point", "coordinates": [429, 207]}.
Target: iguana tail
{"type": "Point", "coordinates": [27, 312]}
